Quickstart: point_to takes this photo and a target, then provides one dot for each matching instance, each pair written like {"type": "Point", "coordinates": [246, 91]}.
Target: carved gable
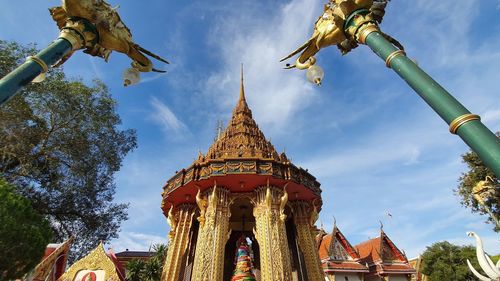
{"type": "Point", "coordinates": [96, 266]}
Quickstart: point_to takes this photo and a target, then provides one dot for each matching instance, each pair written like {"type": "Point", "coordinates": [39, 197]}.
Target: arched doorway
{"type": "Point", "coordinates": [241, 223]}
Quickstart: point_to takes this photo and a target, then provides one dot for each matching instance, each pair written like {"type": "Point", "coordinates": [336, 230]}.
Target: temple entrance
{"type": "Point", "coordinates": [241, 223]}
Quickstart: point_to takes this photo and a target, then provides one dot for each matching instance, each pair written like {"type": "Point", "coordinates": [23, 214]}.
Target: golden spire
{"type": "Point", "coordinates": [242, 88]}
{"type": "Point", "coordinates": [242, 137]}
{"type": "Point", "coordinates": [242, 105]}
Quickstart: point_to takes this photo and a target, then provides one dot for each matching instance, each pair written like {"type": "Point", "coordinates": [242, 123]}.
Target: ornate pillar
{"type": "Point", "coordinates": [269, 205]}
{"type": "Point", "coordinates": [180, 219]}
{"type": "Point", "coordinates": [212, 235]}
{"type": "Point", "coordinates": [304, 217]}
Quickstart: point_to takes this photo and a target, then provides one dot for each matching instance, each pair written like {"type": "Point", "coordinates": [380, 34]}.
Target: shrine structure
{"type": "Point", "coordinates": [242, 187]}
{"type": "Point", "coordinates": [384, 260]}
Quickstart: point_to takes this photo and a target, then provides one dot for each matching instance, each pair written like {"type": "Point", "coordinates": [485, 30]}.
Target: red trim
{"type": "Point", "coordinates": [92, 275]}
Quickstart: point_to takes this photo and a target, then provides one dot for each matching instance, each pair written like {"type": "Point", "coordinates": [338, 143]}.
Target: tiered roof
{"type": "Point", "coordinates": [241, 159]}
{"type": "Point", "coordinates": [242, 137]}
{"type": "Point", "coordinates": [338, 255]}
{"type": "Point", "coordinates": [383, 257]}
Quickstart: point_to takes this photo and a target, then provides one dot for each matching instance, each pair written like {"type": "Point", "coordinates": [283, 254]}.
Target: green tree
{"type": "Point", "coordinates": [151, 270]}
{"type": "Point", "coordinates": [24, 234]}
{"type": "Point", "coordinates": [61, 144]}
{"type": "Point", "coordinates": [477, 171]}
{"type": "Point", "coordinates": [135, 270]}
{"type": "Point", "coordinates": [444, 261]}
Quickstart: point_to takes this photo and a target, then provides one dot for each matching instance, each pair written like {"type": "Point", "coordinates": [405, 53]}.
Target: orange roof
{"type": "Point", "coordinates": [338, 255]}
{"type": "Point", "coordinates": [383, 257]}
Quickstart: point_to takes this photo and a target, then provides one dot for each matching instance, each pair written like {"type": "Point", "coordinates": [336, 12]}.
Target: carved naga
{"type": "Point", "coordinates": [329, 29]}
{"type": "Point", "coordinates": [111, 33]}
{"type": "Point", "coordinates": [487, 265]}
{"type": "Point", "coordinates": [202, 204]}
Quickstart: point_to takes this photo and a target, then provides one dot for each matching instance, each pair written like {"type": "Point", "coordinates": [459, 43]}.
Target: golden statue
{"type": "Point", "coordinates": [329, 29]}
{"type": "Point", "coordinates": [112, 33]}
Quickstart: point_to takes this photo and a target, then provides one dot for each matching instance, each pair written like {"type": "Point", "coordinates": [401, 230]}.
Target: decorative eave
{"type": "Point", "coordinates": [56, 260]}
{"type": "Point", "coordinates": [252, 166]}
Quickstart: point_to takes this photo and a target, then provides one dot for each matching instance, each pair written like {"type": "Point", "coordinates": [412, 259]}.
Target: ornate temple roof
{"type": "Point", "coordinates": [241, 159]}
{"type": "Point", "coordinates": [96, 264]}
{"type": "Point", "coordinates": [338, 255]}
{"type": "Point", "coordinates": [383, 257]}
{"type": "Point", "coordinates": [242, 137]}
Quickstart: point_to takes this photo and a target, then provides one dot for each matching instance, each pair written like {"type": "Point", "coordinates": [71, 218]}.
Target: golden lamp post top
{"type": "Point", "coordinates": [106, 33]}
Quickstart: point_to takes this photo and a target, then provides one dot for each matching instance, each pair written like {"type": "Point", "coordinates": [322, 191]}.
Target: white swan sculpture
{"type": "Point", "coordinates": [492, 270]}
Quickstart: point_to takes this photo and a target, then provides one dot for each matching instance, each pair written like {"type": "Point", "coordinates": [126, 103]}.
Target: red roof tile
{"type": "Point", "coordinates": [383, 257]}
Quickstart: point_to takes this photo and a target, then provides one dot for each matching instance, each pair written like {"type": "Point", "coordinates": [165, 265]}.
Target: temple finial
{"type": "Point", "coordinates": [242, 88]}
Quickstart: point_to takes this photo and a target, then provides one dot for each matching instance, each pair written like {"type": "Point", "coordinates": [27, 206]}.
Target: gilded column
{"type": "Point", "coordinates": [304, 217]}
{"type": "Point", "coordinates": [180, 220]}
{"type": "Point", "coordinates": [212, 236]}
{"type": "Point", "coordinates": [269, 204]}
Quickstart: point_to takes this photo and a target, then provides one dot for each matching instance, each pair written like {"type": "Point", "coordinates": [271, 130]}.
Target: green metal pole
{"type": "Point", "coordinates": [473, 132]}
{"type": "Point", "coordinates": [25, 73]}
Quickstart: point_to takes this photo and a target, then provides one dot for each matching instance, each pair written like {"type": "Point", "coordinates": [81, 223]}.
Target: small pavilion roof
{"type": "Point", "coordinates": [383, 257]}
{"type": "Point", "coordinates": [338, 255]}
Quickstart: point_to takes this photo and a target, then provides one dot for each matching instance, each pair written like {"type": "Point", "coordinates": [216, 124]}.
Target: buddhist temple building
{"type": "Point", "coordinates": [418, 264]}
{"type": "Point", "coordinates": [240, 205]}
{"type": "Point", "coordinates": [339, 259]}
{"type": "Point", "coordinates": [384, 260]}
{"type": "Point", "coordinates": [243, 211]}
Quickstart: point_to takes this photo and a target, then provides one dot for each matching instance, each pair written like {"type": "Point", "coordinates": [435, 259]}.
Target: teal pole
{"type": "Point", "coordinates": [474, 133]}
{"type": "Point", "coordinates": [25, 73]}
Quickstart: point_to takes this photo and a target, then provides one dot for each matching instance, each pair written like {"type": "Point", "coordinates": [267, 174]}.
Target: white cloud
{"type": "Point", "coordinates": [273, 93]}
{"type": "Point", "coordinates": [135, 241]}
{"type": "Point", "coordinates": [491, 116]}
{"type": "Point", "coordinates": [166, 118]}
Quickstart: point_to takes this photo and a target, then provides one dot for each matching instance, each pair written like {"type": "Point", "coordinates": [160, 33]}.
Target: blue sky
{"type": "Point", "coordinates": [374, 145]}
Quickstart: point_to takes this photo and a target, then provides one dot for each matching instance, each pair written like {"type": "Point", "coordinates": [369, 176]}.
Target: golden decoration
{"type": "Point", "coordinates": [283, 201]}
{"type": "Point", "coordinates": [329, 28]}
{"type": "Point", "coordinates": [460, 120]}
{"type": "Point", "coordinates": [171, 222]}
{"type": "Point", "coordinates": [42, 64]}
{"type": "Point", "coordinates": [212, 237]}
{"type": "Point", "coordinates": [366, 30]}
{"type": "Point", "coordinates": [96, 260]}
{"type": "Point", "coordinates": [271, 234]}
{"type": "Point", "coordinates": [484, 190]}
{"type": "Point", "coordinates": [202, 204]}
{"type": "Point", "coordinates": [303, 216]}
{"type": "Point", "coordinates": [393, 55]}
{"type": "Point", "coordinates": [178, 244]}
{"type": "Point", "coordinates": [113, 34]}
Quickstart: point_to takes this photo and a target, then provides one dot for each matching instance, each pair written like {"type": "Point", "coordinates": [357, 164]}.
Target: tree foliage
{"type": "Point", "coordinates": [477, 171]}
{"type": "Point", "coordinates": [444, 261]}
{"type": "Point", "coordinates": [24, 234]}
{"type": "Point", "coordinates": [151, 270]}
{"type": "Point", "coordinates": [60, 144]}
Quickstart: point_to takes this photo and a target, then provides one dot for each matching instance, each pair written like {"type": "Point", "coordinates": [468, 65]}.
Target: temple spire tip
{"type": "Point", "coordinates": [242, 88]}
